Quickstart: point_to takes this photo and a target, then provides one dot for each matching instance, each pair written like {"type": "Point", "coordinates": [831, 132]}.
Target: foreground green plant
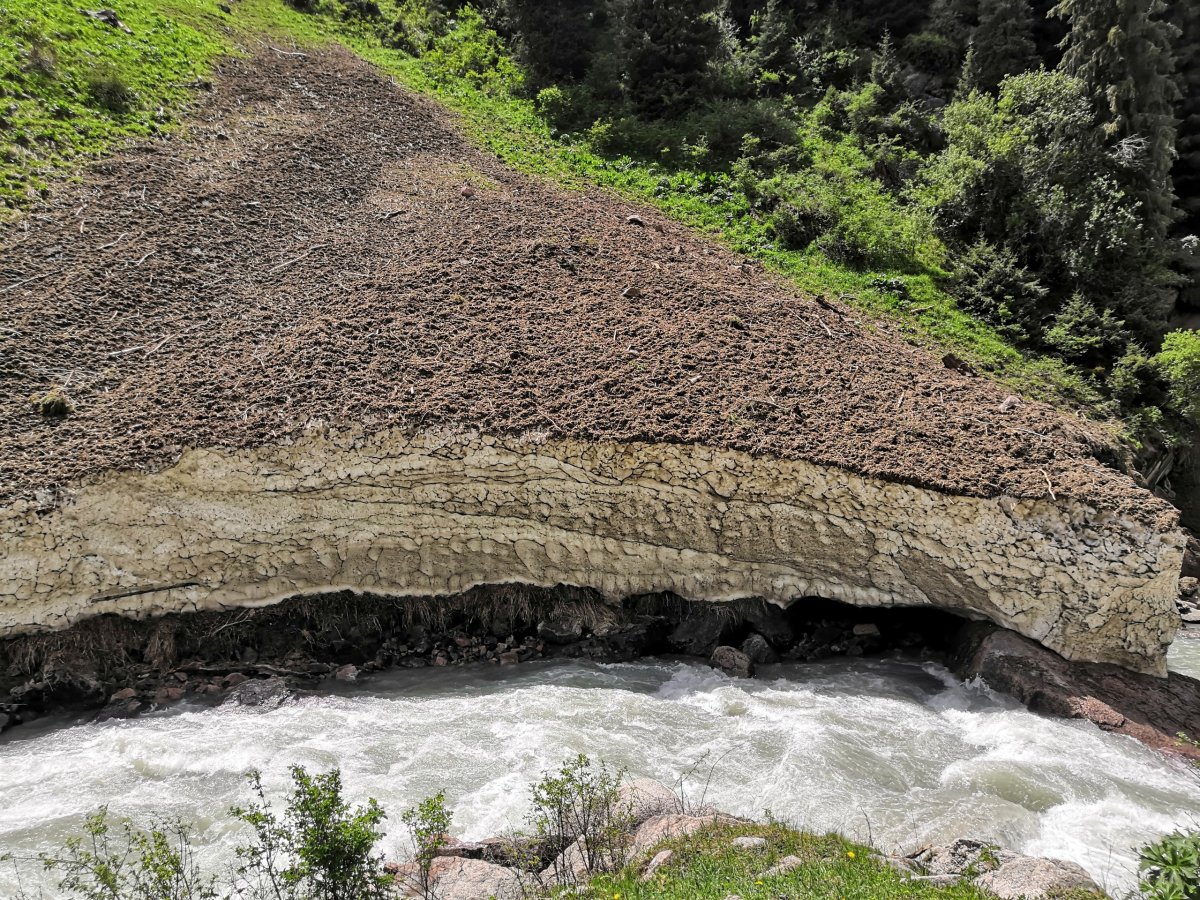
{"type": "Point", "coordinates": [1171, 867]}
{"type": "Point", "coordinates": [428, 825]}
{"type": "Point", "coordinates": [320, 849]}
{"type": "Point", "coordinates": [581, 805]}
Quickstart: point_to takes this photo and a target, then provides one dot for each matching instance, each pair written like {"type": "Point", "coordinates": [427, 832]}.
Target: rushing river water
{"type": "Point", "coordinates": [826, 746]}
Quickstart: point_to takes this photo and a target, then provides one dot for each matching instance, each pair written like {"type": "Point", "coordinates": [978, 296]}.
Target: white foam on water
{"type": "Point", "coordinates": [901, 751]}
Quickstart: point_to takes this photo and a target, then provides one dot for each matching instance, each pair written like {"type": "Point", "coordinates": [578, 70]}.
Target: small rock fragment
{"type": "Point", "coordinates": [748, 842]}
{"type": "Point", "coordinates": [660, 859]}
{"type": "Point", "coordinates": [866, 629]}
{"type": "Point", "coordinates": [635, 220]}
{"type": "Point", "coordinates": [950, 361]}
{"type": "Point", "coordinates": [783, 866]}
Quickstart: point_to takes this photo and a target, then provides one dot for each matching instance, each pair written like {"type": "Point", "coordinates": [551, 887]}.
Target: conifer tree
{"type": "Point", "coordinates": [1122, 51]}
{"type": "Point", "coordinates": [666, 50]}
{"type": "Point", "coordinates": [968, 79]}
{"type": "Point", "coordinates": [1187, 166]}
{"type": "Point", "coordinates": [772, 36]}
{"type": "Point", "coordinates": [885, 67]}
{"type": "Point", "coordinates": [554, 41]}
{"type": "Point", "coordinates": [1003, 42]}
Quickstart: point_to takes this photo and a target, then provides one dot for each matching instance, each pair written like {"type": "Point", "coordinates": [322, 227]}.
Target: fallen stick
{"type": "Point", "coordinates": [297, 259]}
{"type": "Point", "coordinates": [13, 287]}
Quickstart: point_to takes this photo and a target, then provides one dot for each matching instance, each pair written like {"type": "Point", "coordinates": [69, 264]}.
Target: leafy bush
{"type": "Point", "coordinates": [470, 51]}
{"type": "Point", "coordinates": [1171, 867]}
{"type": "Point", "coordinates": [428, 825]}
{"type": "Point", "coordinates": [582, 802]}
{"type": "Point", "coordinates": [118, 861]}
{"type": "Point", "coordinates": [1179, 362]}
{"type": "Point", "coordinates": [321, 849]}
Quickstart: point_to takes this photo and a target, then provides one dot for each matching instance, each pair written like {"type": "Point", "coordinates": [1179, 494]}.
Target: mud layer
{"type": "Point", "coordinates": [436, 513]}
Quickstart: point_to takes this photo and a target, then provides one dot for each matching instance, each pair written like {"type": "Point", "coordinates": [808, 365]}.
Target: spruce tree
{"type": "Point", "coordinates": [554, 41]}
{"type": "Point", "coordinates": [772, 36]}
{"type": "Point", "coordinates": [1187, 166]}
{"type": "Point", "coordinates": [1003, 42]}
{"type": "Point", "coordinates": [666, 50]}
{"type": "Point", "coordinates": [885, 68]}
{"type": "Point", "coordinates": [1122, 51]}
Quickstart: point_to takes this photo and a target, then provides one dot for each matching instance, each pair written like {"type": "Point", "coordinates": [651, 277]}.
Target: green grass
{"type": "Point", "coordinates": [707, 867]}
{"type": "Point", "coordinates": [72, 88]}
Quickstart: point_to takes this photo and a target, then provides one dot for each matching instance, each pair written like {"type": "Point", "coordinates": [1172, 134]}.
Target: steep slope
{"type": "Point", "coordinates": [382, 343]}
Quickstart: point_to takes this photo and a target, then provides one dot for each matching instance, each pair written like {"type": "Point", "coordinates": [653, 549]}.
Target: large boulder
{"type": "Point", "coordinates": [456, 878]}
{"type": "Point", "coordinates": [645, 798]}
{"type": "Point", "coordinates": [664, 828]}
{"type": "Point", "coordinates": [732, 661]}
{"type": "Point", "coordinates": [1153, 710]}
{"type": "Point", "coordinates": [701, 630]}
{"type": "Point", "coordinates": [1031, 878]}
{"type": "Point", "coordinates": [1008, 875]}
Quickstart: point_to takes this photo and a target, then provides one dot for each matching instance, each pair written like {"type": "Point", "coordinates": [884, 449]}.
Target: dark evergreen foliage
{"type": "Point", "coordinates": [1003, 42]}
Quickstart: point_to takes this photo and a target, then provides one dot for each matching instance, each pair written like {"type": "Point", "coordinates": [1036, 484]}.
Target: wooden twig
{"type": "Point", "coordinates": [297, 259]}
{"type": "Point", "coordinates": [826, 327]}
{"type": "Point", "coordinates": [170, 338]}
{"type": "Point", "coordinates": [1049, 486]}
{"type": "Point", "coordinates": [13, 287]}
{"type": "Point", "coordinates": [120, 238]}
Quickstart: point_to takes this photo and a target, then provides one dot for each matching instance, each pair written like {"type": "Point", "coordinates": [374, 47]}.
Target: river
{"type": "Point", "coordinates": [895, 749]}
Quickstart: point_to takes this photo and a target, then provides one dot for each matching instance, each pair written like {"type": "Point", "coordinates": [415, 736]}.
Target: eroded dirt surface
{"type": "Point", "coordinates": [304, 251]}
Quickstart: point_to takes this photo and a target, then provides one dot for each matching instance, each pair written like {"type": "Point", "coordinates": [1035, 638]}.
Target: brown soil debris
{"type": "Point", "coordinates": [306, 250]}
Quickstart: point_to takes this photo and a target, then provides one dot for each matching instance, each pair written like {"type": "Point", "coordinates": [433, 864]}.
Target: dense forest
{"type": "Point", "coordinates": [1040, 160]}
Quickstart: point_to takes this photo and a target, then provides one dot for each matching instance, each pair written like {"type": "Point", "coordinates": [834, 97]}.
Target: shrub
{"type": "Point", "coordinates": [108, 90]}
{"type": "Point", "coordinates": [1179, 363]}
{"type": "Point", "coordinates": [320, 850]}
{"type": "Point", "coordinates": [473, 52]}
{"type": "Point", "coordinates": [118, 861]}
{"type": "Point", "coordinates": [1171, 867]}
{"type": "Point", "coordinates": [582, 802]}
{"type": "Point", "coordinates": [428, 825]}
{"type": "Point", "coordinates": [800, 221]}
{"type": "Point", "coordinates": [1084, 334]}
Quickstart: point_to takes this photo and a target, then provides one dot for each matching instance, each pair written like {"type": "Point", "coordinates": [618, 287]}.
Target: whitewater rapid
{"type": "Point", "coordinates": [898, 750]}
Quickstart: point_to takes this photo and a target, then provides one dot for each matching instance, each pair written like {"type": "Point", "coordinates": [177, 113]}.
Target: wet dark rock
{"type": "Point", "coordinates": [702, 628]}
{"type": "Point", "coordinates": [759, 650]}
{"type": "Point", "coordinates": [1153, 710]}
{"type": "Point", "coordinates": [267, 693]}
{"type": "Point", "coordinates": [121, 709]}
{"type": "Point", "coordinates": [1191, 559]}
{"type": "Point", "coordinates": [347, 672]}
{"type": "Point", "coordinates": [560, 631]}
{"type": "Point", "coordinates": [733, 662]}
{"type": "Point", "coordinates": [768, 620]}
